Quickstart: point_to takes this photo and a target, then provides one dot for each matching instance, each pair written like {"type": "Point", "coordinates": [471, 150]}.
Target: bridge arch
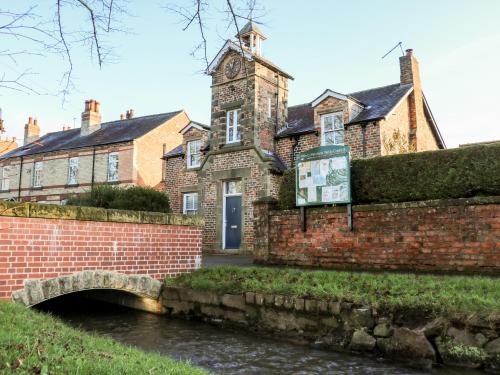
{"type": "Point", "coordinates": [38, 291]}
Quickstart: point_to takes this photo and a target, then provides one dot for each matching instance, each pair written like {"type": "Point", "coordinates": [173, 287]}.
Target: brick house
{"type": "Point", "coordinates": [218, 171]}
{"type": "Point", "coordinates": [60, 164]}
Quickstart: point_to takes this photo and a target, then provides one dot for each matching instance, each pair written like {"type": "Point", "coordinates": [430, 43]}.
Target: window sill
{"type": "Point", "coordinates": [193, 167]}
{"type": "Point", "coordinates": [36, 188]}
{"type": "Point", "coordinates": [232, 144]}
{"type": "Point", "coordinates": [71, 185]}
{"type": "Point", "coordinates": [112, 182]}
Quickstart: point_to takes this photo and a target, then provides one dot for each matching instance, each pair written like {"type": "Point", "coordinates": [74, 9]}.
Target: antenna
{"type": "Point", "coordinates": [400, 45]}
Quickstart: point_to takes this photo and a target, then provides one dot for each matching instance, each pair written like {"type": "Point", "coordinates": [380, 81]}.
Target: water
{"type": "Point", "coordinates": [222, 351]}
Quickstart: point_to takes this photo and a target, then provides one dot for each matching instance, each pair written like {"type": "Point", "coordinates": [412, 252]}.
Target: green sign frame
{"type": "Point", "coordinates": [323, 176]}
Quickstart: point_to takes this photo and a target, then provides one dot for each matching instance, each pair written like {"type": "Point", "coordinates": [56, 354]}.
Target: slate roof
{"type": "Point", "coordinates": [174, 152]}
{"type": "Point", "coordinates": [111, 132]}
{"type": "Point", "coordinates": [378, 103]}
{"type": "Point", "coordinates": [249, 27]}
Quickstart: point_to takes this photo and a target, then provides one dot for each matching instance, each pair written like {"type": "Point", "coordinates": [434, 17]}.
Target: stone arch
{"type": "Point", "coordinates": [37, 291]}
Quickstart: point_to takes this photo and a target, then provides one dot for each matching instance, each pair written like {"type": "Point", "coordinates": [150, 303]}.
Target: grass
{"type": "Point", "coordinates": [392, 291]}
{"type": "Point", "coordinates": [36, 343]}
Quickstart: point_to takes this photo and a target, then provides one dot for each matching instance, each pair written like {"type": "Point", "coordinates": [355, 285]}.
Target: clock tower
{"type": "Point", "coordinates": [249, 105]}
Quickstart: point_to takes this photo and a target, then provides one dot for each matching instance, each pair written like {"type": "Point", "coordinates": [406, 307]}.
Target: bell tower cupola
{"type": "Point", "coordinates": [251, 37]}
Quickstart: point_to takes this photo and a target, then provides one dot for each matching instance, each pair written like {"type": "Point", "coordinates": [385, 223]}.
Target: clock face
{"type": "Point", "coordinates": [233, 67]}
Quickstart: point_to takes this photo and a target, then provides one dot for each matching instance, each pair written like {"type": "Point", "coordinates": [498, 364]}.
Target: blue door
{"type": "Point", "coordinates": [233, 222]}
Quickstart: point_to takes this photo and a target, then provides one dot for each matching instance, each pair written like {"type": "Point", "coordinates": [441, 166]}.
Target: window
{"type": "Point", "coordinates": [193, 153]}
{"type": "Point", "coordinates": [5, 180]}
{"type": "Point", "coordinates": [190, 203]}
{"type": "Point", "coordinates": [113, 167]}
{"type": "Point", "coordinates": [73, 171]}
{"type": "Point", "coordinates": [232, 187]}
{"type": "Point", "coordinates": [269, 107]}
{"type": "Point", "coordinates": [332, 129]}
{"type": "Point", "coordinates": [233, 133]}
{"type": "Point", "coordinates": [37, 174]}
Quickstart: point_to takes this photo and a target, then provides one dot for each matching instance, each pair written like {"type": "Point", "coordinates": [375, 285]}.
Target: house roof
{"type": "Point", "coordinates": [177, 151]}
{"type": "Point", "coordinates": [111, 132]}
{"type": "Point", "coordinates": [230, 45]}
{"type": "Point", "coordinates": [377, 102]}
{"type": "Point", "coordinates": [250, 27]}
{"type": "Point", "coordinates": [380, 101]}
{"type": "Point", "coordinates": [194, 124]}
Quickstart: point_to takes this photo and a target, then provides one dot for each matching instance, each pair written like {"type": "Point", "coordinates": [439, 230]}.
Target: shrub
{"type": "Point", "coordinates": [135, 198]}
{"type": "Point", "coordinates": [444, 174]}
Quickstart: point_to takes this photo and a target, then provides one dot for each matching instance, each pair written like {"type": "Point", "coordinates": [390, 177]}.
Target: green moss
{"type": "Point", "coordinates": [444, 174]}
{"type": "Point", "coordinates": [392, 291]}
{"type": "Point", "coordinates": [36, 343]}
{"type": "Point", "coordinates": [17, 209]}
{"type": "Point", "coordinates": [454, 352]}
{"type": "Point", "coordinates": [53, 211]}
{"type": "Point", "coordinates": [124, 216]}
{"type": "Point", "coordinates": [92, 214]}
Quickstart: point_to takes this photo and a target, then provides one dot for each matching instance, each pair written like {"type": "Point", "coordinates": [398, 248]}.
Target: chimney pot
{"type": "Point", "coordinates": [409, 52]}
{"type": "Point", "coordinates": [35, 122]}
{"type": "Point", "coordinates": [30, 120]}
{"type": "Point", "coordinates": [97, 106]}
{"type": "Point", "coordinates": [91, 118]}
{"type": "Point", "coordinates": [122, 116]}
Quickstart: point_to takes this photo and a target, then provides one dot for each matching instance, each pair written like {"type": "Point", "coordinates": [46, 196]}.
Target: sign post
{"type": "Point", "coordinates": [324, 177]}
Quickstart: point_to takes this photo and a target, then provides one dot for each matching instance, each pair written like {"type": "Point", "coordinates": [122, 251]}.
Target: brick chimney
{"type": "Point", "coordinates": [91, 117]}
{"type": "Point", "coordinates": [410, 74]}
{"type": "Point", "coordinates": [31, 131]}
{"type": "Point", "coordinates": [130, 114]}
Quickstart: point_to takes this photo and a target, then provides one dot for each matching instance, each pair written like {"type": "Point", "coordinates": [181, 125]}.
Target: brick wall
{"type": "Point", "coordinates": [442, 235]}
{"type": "Point", "coordinates": [40, 248]}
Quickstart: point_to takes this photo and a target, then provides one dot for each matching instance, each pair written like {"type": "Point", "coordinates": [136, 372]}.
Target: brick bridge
{"type": "Point", "coordinates": [47, 251]}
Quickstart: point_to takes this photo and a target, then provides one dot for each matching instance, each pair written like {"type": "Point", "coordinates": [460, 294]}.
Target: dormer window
{"type": "Point", "coordinates": [193, 153]}
{"type": "Point", "coordinates": [233, 132]}
{"type": "Point", "coordinates": [332, 129]}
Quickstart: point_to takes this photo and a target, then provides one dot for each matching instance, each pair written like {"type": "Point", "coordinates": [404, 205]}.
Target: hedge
{"type": "Point", "coordinates": [136, 198]}
{"type": "Point", "coordinates": [443, 174]}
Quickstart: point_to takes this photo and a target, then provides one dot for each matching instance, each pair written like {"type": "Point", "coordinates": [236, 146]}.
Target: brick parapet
{"type": "Point", "coordinates": [456, 235]}
{"type": "Point", "coordinates": [48, 211]}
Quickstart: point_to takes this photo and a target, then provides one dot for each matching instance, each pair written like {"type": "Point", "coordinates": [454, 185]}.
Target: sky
{"type": "Point", "coordinates": [322, 43]}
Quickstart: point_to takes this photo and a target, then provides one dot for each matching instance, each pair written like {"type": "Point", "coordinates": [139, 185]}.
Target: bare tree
{"type": "Point", "coordinates": [200, 14]}
{"type": "Point", "coordinates": [38, 35]}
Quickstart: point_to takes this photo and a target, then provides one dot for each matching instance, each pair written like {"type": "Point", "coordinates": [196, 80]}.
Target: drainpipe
{"type": "Point", "coordinates": [93, 170]}
{"type": "Point", "coordinates": [20, 179]}
{"type": "Point", "coordinates": [363, 131]}
{"type": "Point", "coordinates": [277, 98]}
{"type": "Point", "coordinates": [294, 146]}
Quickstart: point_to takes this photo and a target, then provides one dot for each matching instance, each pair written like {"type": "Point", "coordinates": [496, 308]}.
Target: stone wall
{"type": "Point", "coordinates": [417, 339]}
{"type": "Point", "coordinates": [45, 241]}
{"type": "Point", "coordinates": [459, 235]}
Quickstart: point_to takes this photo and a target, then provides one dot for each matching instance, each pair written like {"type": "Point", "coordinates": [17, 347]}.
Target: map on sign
{"type": "Point", "coordinates": [323, 176]}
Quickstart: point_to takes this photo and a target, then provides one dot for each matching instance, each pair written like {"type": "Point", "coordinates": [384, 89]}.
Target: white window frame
{"type": "Point", "coordinates": [113, 157]}
{"type": "Point", "coordinates": [185, 209]}
{"type": "Point", "coordinates": [5, 185]}
{"type": "Point", "coordinates": [197, 161]}
{"type": "Point", "coordinates": [234, 126]}
{"type": "Point", "coordinates": [73, 164]}
{"type": "Point", "coordinates": [36, 180]}
{"type": "Point", "coordinates": [323, 134]}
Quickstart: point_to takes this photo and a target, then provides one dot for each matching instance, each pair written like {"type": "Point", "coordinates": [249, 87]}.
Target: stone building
{"type": "Point", "coordinates": [219, 171]}
{"type": "Point", "coordinates": [60, 164]}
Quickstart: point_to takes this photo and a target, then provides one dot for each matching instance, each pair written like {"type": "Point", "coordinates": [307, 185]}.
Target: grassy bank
{"type": "Point", "coordinates": [439, 294]}
{"type": "Point", "coordinates": [36, 343]}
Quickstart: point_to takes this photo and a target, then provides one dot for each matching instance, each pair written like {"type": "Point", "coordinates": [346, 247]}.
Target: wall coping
{"type": "Point", "coordinates": [482, 200]}
{"type": "Point", "coordinates": [57, 212]}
